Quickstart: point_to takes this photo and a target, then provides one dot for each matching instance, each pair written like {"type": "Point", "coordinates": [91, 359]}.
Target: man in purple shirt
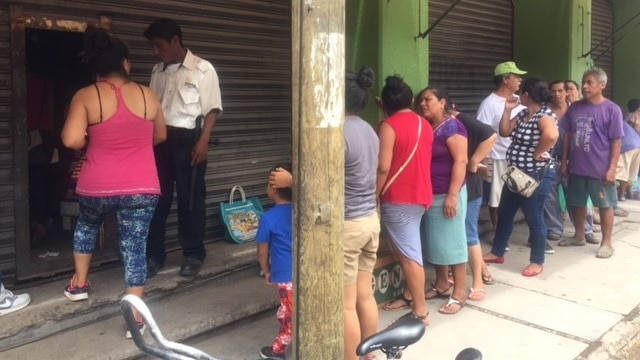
{"type": "Point", "coordinates": [591, 148]}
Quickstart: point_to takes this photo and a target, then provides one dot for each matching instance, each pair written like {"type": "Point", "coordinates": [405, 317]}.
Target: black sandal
{"type": "Point", "coordinates": [426, 318]}
{"type": "Point", "coordinates": [406, 303]}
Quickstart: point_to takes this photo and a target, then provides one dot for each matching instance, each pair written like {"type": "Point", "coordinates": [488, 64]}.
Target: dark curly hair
{"type": "Point", "coordinates": [103, 53]}
{"type": "Point", "coordinates": [357, 89]}
{"type": "Point", "coordinates": [396, 94]}
{"type": "Point", "coordinates": [537, 90]}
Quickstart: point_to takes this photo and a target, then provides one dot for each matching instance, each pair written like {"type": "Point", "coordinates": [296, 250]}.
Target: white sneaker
{"type": "Point", "coordinates": [10, 302]}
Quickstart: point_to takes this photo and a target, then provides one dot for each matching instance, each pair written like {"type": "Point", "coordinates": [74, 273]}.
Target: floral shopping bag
{"type": "Point", "coordinates": [241, 218]}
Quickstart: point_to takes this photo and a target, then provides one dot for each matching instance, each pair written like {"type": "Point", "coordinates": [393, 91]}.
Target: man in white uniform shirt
{"type": "Point", "coordinates": [507, 79]}
{"type": "Point", "coordinates": [187, 87]}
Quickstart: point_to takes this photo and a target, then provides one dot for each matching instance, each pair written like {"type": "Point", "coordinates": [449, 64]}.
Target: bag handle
{"type": "Point", "coordinates": [401, 169]}
{"type": "Point", "coordinates": [233, 190]}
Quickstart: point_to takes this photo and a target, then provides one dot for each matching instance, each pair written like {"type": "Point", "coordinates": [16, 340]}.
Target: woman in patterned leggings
{"type": "Point", "coordinates": [118, 121]}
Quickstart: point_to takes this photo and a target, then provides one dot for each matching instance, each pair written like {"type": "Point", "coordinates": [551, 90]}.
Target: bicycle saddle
{"type": "Point", "coordinates": [402, 333]}
{"type": "Point", "coordinates": [469, 354]}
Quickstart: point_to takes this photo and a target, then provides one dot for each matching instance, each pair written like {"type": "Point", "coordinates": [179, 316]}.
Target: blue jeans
{"type": "Point", "coordinates": [471, 221]}
{"type": "Point", "coordinates": [533, 209]}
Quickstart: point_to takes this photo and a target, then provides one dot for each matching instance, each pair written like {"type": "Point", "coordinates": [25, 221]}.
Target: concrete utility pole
{"type": "Point", "coordinates": [318, 157]}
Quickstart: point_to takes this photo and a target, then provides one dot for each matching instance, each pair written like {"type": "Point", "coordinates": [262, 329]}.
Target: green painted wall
{"type": "Point", "coordinates": [381, 35]}
{"type": "Point", "coordinates": [401, 53]}
{"type": "Point", "coordinates": [580, 39]}
{"type": "Point", "coordinates": [626, 55]}
{"type": "Point", "coordinates": [550, 36]}
{"type": "Point", "coordinates": [361, 34]}
{"type": "Point", "coordinates": [361, 46]}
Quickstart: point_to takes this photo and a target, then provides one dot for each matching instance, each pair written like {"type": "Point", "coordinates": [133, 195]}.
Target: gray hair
{"type": "Point", "coordinates": [598, 73]}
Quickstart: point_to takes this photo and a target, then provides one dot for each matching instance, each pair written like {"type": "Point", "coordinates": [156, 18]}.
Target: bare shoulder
{"type": "Point", "coordinates": [85, 94]}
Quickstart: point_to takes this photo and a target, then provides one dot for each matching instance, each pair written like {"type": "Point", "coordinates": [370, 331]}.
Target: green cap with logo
{"type": "Point", "coordinates": [507, 67]}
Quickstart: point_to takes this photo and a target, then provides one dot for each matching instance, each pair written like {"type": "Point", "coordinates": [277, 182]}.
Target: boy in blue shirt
{"type": "Point", "coordinates": [275, 254]}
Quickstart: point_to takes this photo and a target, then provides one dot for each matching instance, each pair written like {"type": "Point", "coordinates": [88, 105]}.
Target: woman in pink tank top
{"type": "Point", "coordinates": [118, 121]}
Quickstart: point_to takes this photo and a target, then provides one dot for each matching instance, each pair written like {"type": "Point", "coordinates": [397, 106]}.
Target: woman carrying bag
{"type": "Point", "coordinates": [533, 132]}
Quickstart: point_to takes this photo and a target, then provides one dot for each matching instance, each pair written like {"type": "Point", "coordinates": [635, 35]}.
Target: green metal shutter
{"type": "Point", "coordinates": [466, 46]}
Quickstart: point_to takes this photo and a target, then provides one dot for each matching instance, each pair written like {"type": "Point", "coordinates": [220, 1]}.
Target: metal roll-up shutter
{"type": "Point", "coordinates": [7, 213]}
{"type": "Point", "coordinates": [601, 29]}
{"type": "Point", "coordinates": [466, 45]}
{"type": "Point", "coordinates": [249, 44]}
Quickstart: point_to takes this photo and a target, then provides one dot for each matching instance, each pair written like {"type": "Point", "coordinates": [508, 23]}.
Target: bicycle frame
{"type": "Point", "coordinates": [392, 340]}
{"type": "Point", "coordinates": [165, 349]}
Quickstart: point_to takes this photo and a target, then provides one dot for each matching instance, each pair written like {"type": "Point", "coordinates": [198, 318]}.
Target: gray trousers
{"type": "Point", "coordinates": [553, 215]}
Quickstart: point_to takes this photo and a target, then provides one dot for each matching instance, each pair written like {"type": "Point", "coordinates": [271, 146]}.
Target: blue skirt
{"type": "Point", "coordinates": [444, 241]}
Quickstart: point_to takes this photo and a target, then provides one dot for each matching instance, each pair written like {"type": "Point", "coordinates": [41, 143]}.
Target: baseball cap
{"type": "Point", "coordinates": [507, 67]}
{"type": "Point", "coordinates": [633, 105]}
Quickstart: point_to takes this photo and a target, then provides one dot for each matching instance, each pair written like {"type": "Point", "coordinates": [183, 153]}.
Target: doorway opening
{"type": "Point", "coordinates": [54, 72]}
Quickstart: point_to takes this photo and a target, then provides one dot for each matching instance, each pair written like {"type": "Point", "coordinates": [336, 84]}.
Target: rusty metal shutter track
{"type": "Point", "coordinates": [601, 28]}
{"type": "Point", "coordinates": [249, 44]}
{"type": "Point", "coordinates": [465, 47]}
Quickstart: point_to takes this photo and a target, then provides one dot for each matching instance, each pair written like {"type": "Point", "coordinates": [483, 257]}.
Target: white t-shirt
{"type": "Point", "coordinates": [490, 113]}
{"type": "Point", "coordinates": [186, 90]}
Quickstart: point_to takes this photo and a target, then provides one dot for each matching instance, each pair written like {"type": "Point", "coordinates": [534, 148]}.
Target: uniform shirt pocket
{"type": "Point", "coordinates": [189, 96]}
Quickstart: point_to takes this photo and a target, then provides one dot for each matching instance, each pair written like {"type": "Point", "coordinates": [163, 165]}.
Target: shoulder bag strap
{"type": "Point", "coordinates": [401, 169]}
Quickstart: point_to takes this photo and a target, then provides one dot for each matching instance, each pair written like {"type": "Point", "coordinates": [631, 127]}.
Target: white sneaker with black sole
{"type": "Point", "coordinates": [548, 249]}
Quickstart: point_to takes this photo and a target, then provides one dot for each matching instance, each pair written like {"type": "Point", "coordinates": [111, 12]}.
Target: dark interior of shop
{"type": "Point", "coordinates": [54, 72]}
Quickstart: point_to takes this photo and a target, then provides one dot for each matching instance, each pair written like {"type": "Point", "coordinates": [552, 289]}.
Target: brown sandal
{"type": "Point", "coordinates": [435, 293]}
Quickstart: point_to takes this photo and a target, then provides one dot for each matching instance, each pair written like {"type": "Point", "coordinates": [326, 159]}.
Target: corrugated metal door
{"type": "Point", "coordinates": [7, 208]}
{"type": "Point", "coordinates": [249, 44]}
{"type": "Point", "coordinates": [601, 29]}
{"type": "Point", "coordinates": [466, 46]}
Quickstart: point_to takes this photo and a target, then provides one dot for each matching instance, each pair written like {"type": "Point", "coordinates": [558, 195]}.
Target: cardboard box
{"type": "Point", "coordinates": [69, 222]}
{"type": "Point", "coordinates": [69, 210]}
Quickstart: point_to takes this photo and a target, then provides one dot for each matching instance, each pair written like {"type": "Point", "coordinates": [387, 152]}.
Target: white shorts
{"type": "Point", "coordinates": [499, 166]}
{"type": "Point", "coordinates": [628, 165]}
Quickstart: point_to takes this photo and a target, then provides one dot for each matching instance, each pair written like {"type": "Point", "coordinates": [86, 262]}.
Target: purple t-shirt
{"type": "Point", "coordinates": [631, 139]}
{"type": "Point", "coordinates": [592, 128]}
{"type": "Point", "coordinates": [441, 160]}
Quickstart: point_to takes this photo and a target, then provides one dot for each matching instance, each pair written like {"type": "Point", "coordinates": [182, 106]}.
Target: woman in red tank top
{"type": "Point", "coordinates": [404, 188]}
